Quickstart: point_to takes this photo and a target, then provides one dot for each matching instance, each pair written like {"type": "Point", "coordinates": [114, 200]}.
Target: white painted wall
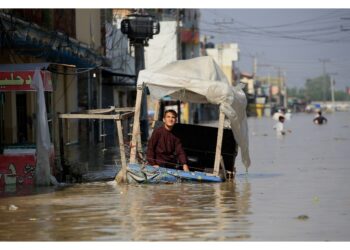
{"type": "Point", "coordinates": [162, 48]}
{"type": "Point", "coordinates": [225, 55]}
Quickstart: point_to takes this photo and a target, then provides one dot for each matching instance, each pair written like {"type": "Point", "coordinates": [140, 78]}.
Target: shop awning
{"type": "Point", "coordinates": [110, 75]}
{"type": "Point", "coordinates": [110, 72]}
{"type": "Point", "coordinates": [18, 77]}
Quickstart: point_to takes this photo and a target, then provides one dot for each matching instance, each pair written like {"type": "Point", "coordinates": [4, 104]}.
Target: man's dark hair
{"type": "Point", "coordinates": [281, 118]}
{"type": "Point", "coordinates": [170, 111]}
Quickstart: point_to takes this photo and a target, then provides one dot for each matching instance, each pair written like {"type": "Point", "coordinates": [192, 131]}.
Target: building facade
{"type": "Point", "coordinates": [65, 43]}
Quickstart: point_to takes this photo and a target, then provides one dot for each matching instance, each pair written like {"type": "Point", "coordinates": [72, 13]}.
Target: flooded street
{"type": "Point", "coordinates": [297, 189]}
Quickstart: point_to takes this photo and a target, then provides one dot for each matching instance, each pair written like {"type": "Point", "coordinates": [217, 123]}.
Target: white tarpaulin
{"type": "Point", "coordinates": [200, 80]}
{"type": "Point", "coordinates": [42, 170]}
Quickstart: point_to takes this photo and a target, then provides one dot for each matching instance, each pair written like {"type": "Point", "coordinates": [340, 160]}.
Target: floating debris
{"type": "Point", "coordinates": [340, 139]}
{"type": "Point", "coordinates": [12, 207]}
{"type": "Point", "coordinates": [303, 217]}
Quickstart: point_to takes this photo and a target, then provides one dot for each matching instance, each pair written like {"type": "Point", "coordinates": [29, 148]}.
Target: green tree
{"type": "Point", "coordinates": [318, 89]}
{"type": "Point", "coordinates": [340, 95]}
{"type": "Point", "coordinates": [296, 92]}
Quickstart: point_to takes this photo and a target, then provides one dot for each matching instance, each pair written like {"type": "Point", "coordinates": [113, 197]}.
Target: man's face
{"type": "Point", "coordinates": [169, 119]}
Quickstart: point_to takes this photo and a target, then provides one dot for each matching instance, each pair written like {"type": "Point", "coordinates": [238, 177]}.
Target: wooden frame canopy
{"type": "Point", "coordinates": [136, 142]}
{"type": "Point", "coordinates": [101, 114]}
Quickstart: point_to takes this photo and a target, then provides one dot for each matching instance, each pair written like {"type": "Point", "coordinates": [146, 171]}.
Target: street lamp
{"type": "Point", "coordinates": [140, 28]}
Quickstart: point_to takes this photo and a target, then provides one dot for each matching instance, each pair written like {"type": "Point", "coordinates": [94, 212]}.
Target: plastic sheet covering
{"type": "Point", "coordinates": [200, 80]}
{"type": "Point", "coordinates": [43, 144]}
{"type": "Point", "coordinates": [148, 174]}
{"type": "Point", "coordinates": [142, 175]}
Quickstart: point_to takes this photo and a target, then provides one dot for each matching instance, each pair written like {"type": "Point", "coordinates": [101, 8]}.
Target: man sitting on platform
{"type": "Point", "coordinates": [164, 148]}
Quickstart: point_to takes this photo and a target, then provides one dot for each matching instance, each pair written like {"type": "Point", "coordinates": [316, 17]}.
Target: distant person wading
{"type": "Point", "coordinates": [279, 127]}
{"type": "Point", "coordinates": [320, 119]}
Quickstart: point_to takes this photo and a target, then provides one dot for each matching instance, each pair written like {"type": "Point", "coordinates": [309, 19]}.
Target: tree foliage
{"type": "Point", "coordinates": [296, 92]}
{"type": "Point", "coordinates": [317, 89]}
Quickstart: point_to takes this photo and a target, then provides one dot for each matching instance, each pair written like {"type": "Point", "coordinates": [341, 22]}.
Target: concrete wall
{"type": "Point", "coordinates": [225, 55]}
{"type": "Point", "coordinates": [162, 48]}
{"type": "Point", "coordinates": [88, 26]}
{"type": "Point", "coordinates": [65, 100]}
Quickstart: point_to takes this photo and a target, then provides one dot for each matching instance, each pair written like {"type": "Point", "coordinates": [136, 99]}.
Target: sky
{"type": "Point", "coordinates": [302, 42]}
{"type": "Point", "coordinates": [302, 38]}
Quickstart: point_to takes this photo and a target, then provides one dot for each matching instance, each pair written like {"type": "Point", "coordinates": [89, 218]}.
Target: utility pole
{"type": "Point", "coordinates": [332, 92]}
{"type": "Point", "coordinates": [178, 38]}
{"type": "Point", "coordinates": [332, 89]}
{"type": "Point", "coordinates": [255, 66]}
{"type": "Point", "coordinates": [324, 61]}
{"type": "Point", "coordinates": [270, 90]}
{"type": "Point", "coordinates": [279, 86]}
{"type": "Point", "coordinates": [285, 99]}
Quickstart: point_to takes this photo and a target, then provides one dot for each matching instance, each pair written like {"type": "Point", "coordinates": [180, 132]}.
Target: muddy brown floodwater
{"type": "Point", "coordinates": [297, 189]}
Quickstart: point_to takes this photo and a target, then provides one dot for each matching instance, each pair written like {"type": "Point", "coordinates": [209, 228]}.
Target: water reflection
{"type": "Point", "coordinates": [106, 211]}
{"type": "Point", "coordinates": [188, 212]}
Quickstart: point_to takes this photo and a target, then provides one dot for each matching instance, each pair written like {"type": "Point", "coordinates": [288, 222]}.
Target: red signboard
{"type": "Point", "coordinates": [22, 80]}
{"type": "Point", "coordinates": [17, 169]}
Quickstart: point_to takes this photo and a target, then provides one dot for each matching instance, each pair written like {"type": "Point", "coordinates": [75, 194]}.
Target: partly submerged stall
{"type": "Point", "coordinates": [22, 162]}
{"type": "Point", "coordinates": [198, 80]}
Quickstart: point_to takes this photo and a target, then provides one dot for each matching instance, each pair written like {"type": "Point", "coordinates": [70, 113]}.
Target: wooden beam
{"type": "Point", "coordinates": [219, 143]}
{"type": "Point", "coordinates": [125, 109]}
{"type": "Point", "coordinates": [61, 142]}
{"type": "Point", "coordinates": [121, 146]}
{"type": "Point", "coordinates": [222, 165]}
{"type": "Point", "coordinates": [139, 144]}
{"type": "Point", "coordinates": [90, 116]}
{"type": "Point", "coordinates": [112, 108]}
{"type": "Point", "coordinates": [126, 115]}
{"type": "Point", "coordinates": [156, 113]}
{"type": "Point", "coordinates": [100, 111]}
{"type": "Point", "coordinates": [136, 126]}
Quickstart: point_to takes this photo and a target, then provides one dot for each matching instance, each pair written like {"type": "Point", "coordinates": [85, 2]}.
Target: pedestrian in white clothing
{"type": "Point", "coordinates": [279, 126]}
{"type": "Point", "coordinates": [278, 114]}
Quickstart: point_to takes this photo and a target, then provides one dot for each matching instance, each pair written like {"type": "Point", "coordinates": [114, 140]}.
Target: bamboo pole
{"type": "Point", "coordinates": [136, 126]}
{"type": "Point", "coordinates": [156, 114]}
{"type": "Point", "coordinates": [100, 111]}
{"type": "Point", "coordinates": [223, 169]}
{"type": "Point", "coordinates": [219, 143]}
{"type": "Point", "coordinates": [121, 177]}
{"type": "Point", "coordinates": [61, 141]}
{"type": "Point", "coordinates": [125, 109]}
{"type": "Point", "coordinates": [90, 116]}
